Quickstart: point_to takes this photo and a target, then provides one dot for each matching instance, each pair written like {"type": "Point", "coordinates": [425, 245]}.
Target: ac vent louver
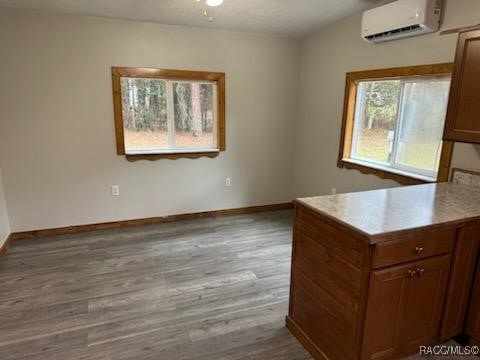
{"type": "Point", "coordinates": [401, 19]}
{"type": "Point", "coordinates": [404, 30]}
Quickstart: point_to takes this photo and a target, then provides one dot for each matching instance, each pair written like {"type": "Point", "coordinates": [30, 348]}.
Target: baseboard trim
{"type": "Point", "coordinates": [147, 221]}
{"type": "Point", "coordinates": [6, 245]}
{"type": "Point", "coordinates": [305, 340]}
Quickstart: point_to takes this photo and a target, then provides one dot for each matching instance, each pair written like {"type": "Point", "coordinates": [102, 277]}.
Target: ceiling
{"type": "Point", "coordinates": [285, 17]}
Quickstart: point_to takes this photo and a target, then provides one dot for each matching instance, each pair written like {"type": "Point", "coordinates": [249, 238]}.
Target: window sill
{"type": "Point", "coordinates": [172, 155]}
{"type": "Point", "coordinates": [383, 172]}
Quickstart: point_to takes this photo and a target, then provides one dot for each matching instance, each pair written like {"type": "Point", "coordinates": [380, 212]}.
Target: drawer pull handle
{"type": "Point", "coordinates": [419, 250]}
{"type": "Point", "coordinates": [412, 273]}
{"type": "Point", "coordinates": [420, 272]}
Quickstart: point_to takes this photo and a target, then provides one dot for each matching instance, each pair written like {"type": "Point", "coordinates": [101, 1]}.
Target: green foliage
{"type": "Point", "coordinates": [425, 101]}
{"type": "Point", "coordinates": [381, 103]}
{"type": "Point", "coordinates": [144, 105]}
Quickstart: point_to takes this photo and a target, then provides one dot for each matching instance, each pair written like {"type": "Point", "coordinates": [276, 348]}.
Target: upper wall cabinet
{"type": "Point", "coordinates": [463, 115]}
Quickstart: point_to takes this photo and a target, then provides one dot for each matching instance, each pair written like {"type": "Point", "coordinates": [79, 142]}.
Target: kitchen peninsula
{"type": "Point", "coordinates": [377, 274]}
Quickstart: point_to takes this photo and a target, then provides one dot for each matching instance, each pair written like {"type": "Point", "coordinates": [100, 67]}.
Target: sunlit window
{"type": "Point", "coordinates": [395, 123]}
{"type": "Point", "coordinates": [165, 115]}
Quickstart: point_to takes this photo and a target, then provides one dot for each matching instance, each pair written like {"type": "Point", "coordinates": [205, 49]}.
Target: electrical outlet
{"type": "Point", "coordinates": [115, 190]}
{"type": "Point", "coordinates": [228, 182]}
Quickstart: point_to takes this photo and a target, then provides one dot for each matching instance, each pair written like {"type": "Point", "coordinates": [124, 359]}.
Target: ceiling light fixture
{"type": "Point", "coordinates": [214, 2]}
{"type": "Point", "coordinates": [211, 3]}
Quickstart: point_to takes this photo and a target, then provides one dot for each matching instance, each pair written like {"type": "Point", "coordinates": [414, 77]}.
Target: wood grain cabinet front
{"type": "Point", "coordinates": [404, 308]}
{"type": "Point", "coordinates": [461, 279]}
{"type": "Point", "coordinates": [415, 248]}
{"type": "Point", "coordinates": [463, 115]}
{"type": "Point", "coordinates": [473, 318]}
{"type": "Point", "coordinates": [351, 299]}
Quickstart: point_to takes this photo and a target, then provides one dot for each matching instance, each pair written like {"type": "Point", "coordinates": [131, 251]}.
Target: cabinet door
{"type": "Point", "coordinates": [461, 278]}
{"type": "Point", "coordinates": [404, 308]}
{"type": "Point", "coordinates": [424, 303]}
{"type": "Point", "coordinates": [473, 318]}
{"type": "Point", "coordinates": [462, 122]}
{"type": "Point", "coordinates": [386, 298]}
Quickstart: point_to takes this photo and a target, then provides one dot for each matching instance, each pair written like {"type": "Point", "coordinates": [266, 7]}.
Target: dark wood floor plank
{"type": "Point", "coordinates": [41, 347]}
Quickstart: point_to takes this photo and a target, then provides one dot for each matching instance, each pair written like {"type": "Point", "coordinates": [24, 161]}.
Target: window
{"type": "Point", "coordinates": [168, 113]}
{"type": "Point", "coordinates": [393, 123]}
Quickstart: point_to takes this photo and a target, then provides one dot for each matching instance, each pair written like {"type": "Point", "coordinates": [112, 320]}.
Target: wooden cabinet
{"type": "Point", "coordinates": [460, 284]}
{"type": "Point", "coordinates": [404, 308]}
{"type": "Point", "coordinates": [418, 247]}
{"type": "Point", "coordinates": [357, 300]}
{"type": "Point", "coordinates": [473, 318]}
{"type": "Point", "coordinates": [424, 303]}
{"type": "Point", "coordinates": [463, 115]}
{"type": "Point", "coordinates": [326, 287]}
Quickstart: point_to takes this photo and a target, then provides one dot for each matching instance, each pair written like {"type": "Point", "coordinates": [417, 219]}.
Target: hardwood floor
{"type": "Point", "coordinates": [203, 289]}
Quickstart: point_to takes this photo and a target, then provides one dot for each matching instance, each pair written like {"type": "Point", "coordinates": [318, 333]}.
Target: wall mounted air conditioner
{"type": "Point", "coordinates": [401, 19]}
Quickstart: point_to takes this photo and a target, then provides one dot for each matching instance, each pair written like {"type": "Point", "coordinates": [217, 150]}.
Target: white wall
{"type": "Point", "coordinates": [327, 56]}
{"type": "Point", "coordinates": [4, 223]}
{"type": "Point", "coordinates": [57, 144]}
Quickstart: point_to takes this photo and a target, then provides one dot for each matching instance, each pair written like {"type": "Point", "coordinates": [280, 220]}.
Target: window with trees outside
{"type": "Point", "coordinates": [393, 123]}
{"type": "Point", "coordinates": [168, 113]}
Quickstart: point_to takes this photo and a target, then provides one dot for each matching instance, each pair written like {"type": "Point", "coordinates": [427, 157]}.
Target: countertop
{"type": "Point", "coordinates": [378, 213]}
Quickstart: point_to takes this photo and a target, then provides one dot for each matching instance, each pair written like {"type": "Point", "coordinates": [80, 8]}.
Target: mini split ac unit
{"type": "Point", "coordinates": [401, 19]}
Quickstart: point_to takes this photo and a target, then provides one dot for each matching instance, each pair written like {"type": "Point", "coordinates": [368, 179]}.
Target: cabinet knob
{"type": "Point", "coordinates": [419, 250]}
{"type": "Point", "coordinates": [412, 273]}
{"type": "Point", "coordinates": [420, 272]}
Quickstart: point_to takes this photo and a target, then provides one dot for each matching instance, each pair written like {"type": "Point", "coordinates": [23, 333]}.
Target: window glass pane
{"type": "Point", "coordinates": [194, 115]}
{"type": "Point", "coordinates": [375, 120]}
{"type": "Point", "coordinates": [423, 110]}
{"type": "Point", "coordinates": [144, 109]}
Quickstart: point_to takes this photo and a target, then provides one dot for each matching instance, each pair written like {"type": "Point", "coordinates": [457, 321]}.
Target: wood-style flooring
{"type": "Point", "coordinates": [204, 289]}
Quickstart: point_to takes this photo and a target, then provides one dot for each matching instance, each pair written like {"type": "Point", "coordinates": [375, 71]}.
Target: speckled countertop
{"type": "Point", "coordinates": [378, 213]}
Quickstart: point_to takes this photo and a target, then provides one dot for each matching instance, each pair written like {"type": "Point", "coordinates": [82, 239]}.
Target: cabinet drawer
{"type": "Point", "coordinates": [400, 251]}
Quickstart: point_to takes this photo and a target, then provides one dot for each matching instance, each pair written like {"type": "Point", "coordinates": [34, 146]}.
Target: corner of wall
{"type": "Point", "coordinates": [4, 219]}
{"type": "Point", "coordinates": [323, 65]}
